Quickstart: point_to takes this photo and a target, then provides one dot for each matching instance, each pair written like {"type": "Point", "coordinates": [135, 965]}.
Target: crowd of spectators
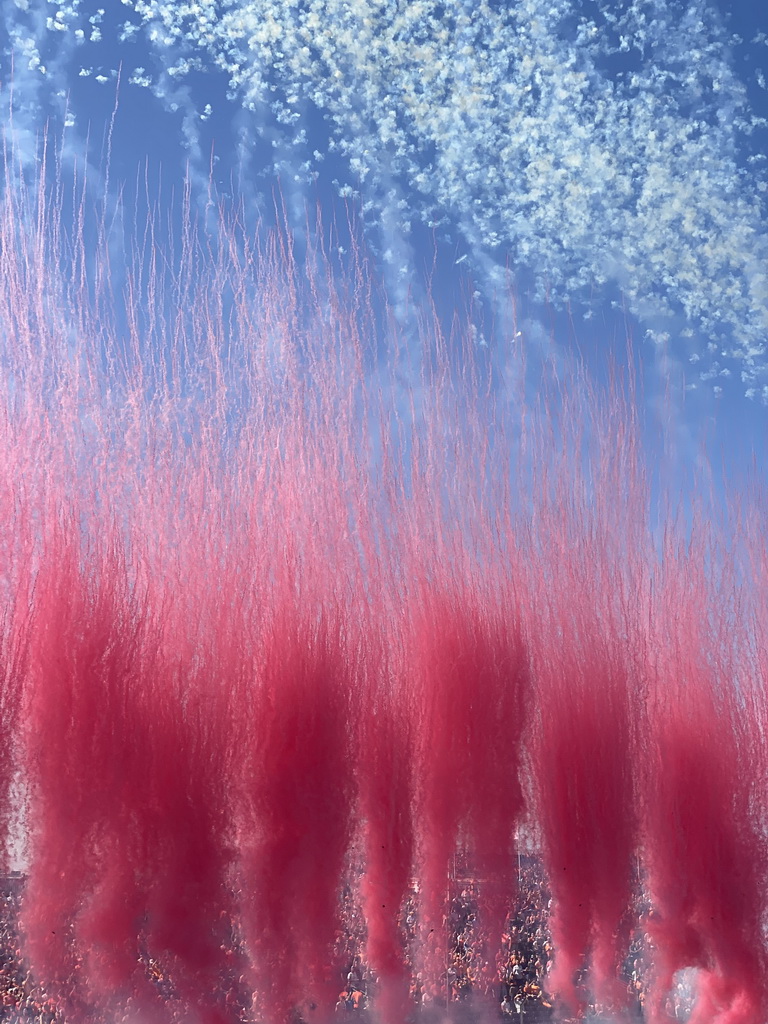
{"type": "Point", "coordinates": [513, 978]}
{"type": "Point", "coordinates": [21, 998]}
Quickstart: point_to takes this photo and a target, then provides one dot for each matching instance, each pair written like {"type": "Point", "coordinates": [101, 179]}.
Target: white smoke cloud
{"type": "Point", "coordinates": [595, 149]}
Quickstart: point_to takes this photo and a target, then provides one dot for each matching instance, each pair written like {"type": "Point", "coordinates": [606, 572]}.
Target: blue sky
{"type": "Point", "coordinates": [606, 157]}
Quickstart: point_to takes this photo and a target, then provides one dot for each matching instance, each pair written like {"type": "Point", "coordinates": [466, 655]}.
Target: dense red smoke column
{"type": "Point", "coordinates": [703, 845]}
{"type": "Point", "coordinates": [125, 748]}
{"type": "Point", "coordinates": [583, 602]}
{"type": "Point", "coordinates": [299, 776]}
{"type": "Point", "coordinates": [582, 763]}
{"type": "Point", "coordinates": [470, 672]}
{"type": "Point", "coordinates": [73, 734]}
{"type": "Point", "coordinates": [62, 798]}
{"type": "Point", "coordinates": [385, 736]}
